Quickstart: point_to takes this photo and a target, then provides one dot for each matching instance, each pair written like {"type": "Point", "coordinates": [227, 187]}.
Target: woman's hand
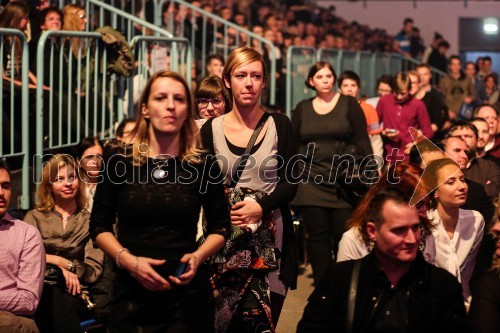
{"type": "Point", "coordinates": [245, 212]}
{"type": "Point", "coordinates": [141, 268]}
{"type": "Point", "coordinates": [72, 282]}
{"type": "Point", "coordinates": [193, 262]}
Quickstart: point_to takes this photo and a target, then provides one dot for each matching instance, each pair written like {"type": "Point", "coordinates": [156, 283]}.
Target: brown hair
{"type": "Point", "coordinates": [189, 136]}
{"type": "Point", "coordinates": [316, 68]}
{"type": "Point", "coordinates": [50, 170]}
{"type": "Point", "coordinates": [211, 87]}
{"type": "Point", "coordinates": [401, 82]}
{"type": "Point", "coordinates": [11, 17]}
{"type": "Point", "coordinates": [405, 177]}
{"type": "Point", "coordinates": [239, 57]}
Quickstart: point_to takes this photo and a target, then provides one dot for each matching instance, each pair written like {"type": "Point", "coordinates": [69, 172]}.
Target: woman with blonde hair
{"type": "Point", "coordinates": [75, 19]}
{"type": "Point", "coordinates": [252, 277]}
{"type": "Point", "coordinates": [156, 192]}
{"type": "Point", "coordinates": [63, 221]}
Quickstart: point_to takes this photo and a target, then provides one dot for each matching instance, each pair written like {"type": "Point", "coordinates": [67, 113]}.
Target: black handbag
{"type": "Point", "coordinates": [356, 177]}
{"type": "Point", "coordinates": [54, 276]}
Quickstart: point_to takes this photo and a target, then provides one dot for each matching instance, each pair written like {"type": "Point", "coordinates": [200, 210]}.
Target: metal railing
{"type": "Point", "coordinates": [14, 112]}
{"type": "Point", "coordinates": [369, 66]}
{"type": "Point", "coordinates": [209, 33]}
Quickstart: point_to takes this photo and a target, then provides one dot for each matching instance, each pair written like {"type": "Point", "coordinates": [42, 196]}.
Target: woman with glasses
{"type": "Point", "coordinates": [249, 296]}
{"type": "Point", "coordinates": [88, 156]}
{"type": "Point", "coordinates": [63, 220]}
{"type": "Point", "coordinates": [211, 99]}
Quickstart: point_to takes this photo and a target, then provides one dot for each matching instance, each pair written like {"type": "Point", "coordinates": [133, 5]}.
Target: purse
{"type": "Point", "coordinates": [355, 180]}
{"type": "Point", "coordinates": [251, 246]}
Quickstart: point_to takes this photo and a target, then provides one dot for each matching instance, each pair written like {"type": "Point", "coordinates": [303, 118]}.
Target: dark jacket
{"type": "Point", "coordinates": [434, 303]}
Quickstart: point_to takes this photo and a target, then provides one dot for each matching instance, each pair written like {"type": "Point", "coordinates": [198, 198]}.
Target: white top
{"type": "Point", "coordinates": [351, 246]}
{"type": "Point", "coordinates": [457, 255]}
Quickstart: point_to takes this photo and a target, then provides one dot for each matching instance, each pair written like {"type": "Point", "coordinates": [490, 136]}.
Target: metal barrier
{"type": "Point", "coordinates": [369, 66]}
{"type": "Point", "coordinates": [153, 54]}
{"type": "Point", "coordinates": [209, 33]}
{"type": "Point", "coordinates": [14, 94]}
{"type": "Point", "coordinates": [298, 62]}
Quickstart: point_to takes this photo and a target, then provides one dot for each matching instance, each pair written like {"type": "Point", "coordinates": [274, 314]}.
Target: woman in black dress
{"type": "Point", "coordinates": [156, 192]}
{"type": "Point", "coordinates": [326, 125]}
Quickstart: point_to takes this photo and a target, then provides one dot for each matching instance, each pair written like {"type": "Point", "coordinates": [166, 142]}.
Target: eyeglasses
{"type": "Point", "coordinates": [82, 17]}
{"type": "Point", "coordinates": [203, 102]}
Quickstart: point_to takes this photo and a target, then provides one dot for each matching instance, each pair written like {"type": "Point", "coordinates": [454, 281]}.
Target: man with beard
{"type": "Point", "coordinates": [483, 137]}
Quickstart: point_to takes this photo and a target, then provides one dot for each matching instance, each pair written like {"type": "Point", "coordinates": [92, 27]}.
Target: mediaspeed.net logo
{"type": "Point", "coordinates": [434, 160]}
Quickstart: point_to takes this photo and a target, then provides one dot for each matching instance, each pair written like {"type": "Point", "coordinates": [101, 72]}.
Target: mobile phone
{"type": "Point", "coordinates": [172, 268]}
{"type": "Point", "coordinates": [391, 130]}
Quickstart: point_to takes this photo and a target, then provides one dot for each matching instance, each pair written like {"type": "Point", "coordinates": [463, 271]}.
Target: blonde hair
{"type": "Point", "coordinates": [402, 82]}
{"type": "Point", "coordinates": [190, 145]}
{"type": "Point", "coordinates": [45, 196]}
{"type": "Point", "coordinates": [71, 22]}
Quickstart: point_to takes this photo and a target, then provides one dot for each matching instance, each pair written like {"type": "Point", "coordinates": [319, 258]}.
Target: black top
{"type": "Point", "coordinates": [434, 103]}
{"type": "Point", "coordinates": [429, 300]}
{"type": "Point", "coordinates": [484, 314]}
{"type": "Point", "coordinates": [330, 134]}
{"type": "Point", "coordinates": [282, 194]}
{"type": "Point", "coordinates": [157, 217]}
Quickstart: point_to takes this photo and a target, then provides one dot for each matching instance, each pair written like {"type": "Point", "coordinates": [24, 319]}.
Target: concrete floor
{"type": "Point", "coordinates": [295, 302]}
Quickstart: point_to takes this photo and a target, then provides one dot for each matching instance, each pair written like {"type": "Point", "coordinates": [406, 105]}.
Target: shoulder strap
{"type": "Point", "coordinates": [353, 288]}
{"type": "Point", "coordinates": [244, 158]}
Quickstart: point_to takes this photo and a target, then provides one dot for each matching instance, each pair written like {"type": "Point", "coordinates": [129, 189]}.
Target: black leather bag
{"type": "Point", "coordinates": [54, 276]}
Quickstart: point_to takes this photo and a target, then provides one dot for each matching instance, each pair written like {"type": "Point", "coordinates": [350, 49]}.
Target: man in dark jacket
{"type": "Point", "coordinates": [397, 290]}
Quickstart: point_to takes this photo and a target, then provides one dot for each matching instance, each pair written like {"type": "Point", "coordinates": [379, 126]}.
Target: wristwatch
{"type": "Point", "coordinates": [71, 266]}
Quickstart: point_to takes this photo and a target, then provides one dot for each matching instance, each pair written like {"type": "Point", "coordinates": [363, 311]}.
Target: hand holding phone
{"type": "Point", "coordinates": [391, 130]}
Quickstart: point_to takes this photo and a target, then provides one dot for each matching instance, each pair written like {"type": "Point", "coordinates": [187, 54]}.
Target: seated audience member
{"type": "Point", "coordinates": [481, 171]}
{"type": "Point", "coordinates": [88, 156]}
{"type": "Point", "coordinates": [63, 222]}
{"type": "Point", "coordinates": [456, 233]}
{"type": "Point", "coordinates": [396, 289]}
{"type": "Point", "coordinates": [483, 137]}
{"type": "Point", "coordinates": [490, 114]}
{"type": "Point", "coordinates": [350, 85]}
{"type": "Point", "coordinates": [400, 111]}
{"type": "Point", "coordinates": [22, 266]}
{"type": "Point", "coordinates": [384, 87]}
{"type": "Point", "coordinates": [211, 99]}
{"type": "Point", "coordinates": [354, 243]}
{"type": "Point", "coordinates": [485, 307]}
{"type": "Point", "coordinates": [124, 130]}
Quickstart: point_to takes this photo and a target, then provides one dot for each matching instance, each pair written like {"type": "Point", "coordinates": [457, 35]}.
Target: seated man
{"type": "Point", "coordinates": [396, 290]}
{"type": "Point", "coordinates": [22, 266]}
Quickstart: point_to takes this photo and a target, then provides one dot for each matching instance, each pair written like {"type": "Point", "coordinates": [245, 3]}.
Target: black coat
{"type": "Point", "coordinates": [435, 302]}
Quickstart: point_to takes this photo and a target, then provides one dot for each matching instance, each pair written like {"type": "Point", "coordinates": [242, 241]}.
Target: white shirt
{"type": "Point", "coordinates": [352, 246]}
{"type": "Point", "coordinates": [458, 254]}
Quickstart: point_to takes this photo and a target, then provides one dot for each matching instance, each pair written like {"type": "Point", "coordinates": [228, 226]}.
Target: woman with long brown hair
{"type": "Point", "coordinates": [156, 192]}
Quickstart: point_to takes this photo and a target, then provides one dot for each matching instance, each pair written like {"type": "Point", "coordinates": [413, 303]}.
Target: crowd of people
{"type": "Point", "coordinates": [183, 223]}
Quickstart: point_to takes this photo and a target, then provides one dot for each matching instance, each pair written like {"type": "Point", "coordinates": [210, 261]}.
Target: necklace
{"type": "Point", "coordinates": [158, 172]}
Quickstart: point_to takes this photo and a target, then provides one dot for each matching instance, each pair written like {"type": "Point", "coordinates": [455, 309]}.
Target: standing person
{"type": "Point", "coordinates": [402, 41]}
{"type": "Point", "coordinates": [432, 99]}
{"type": "Point", "coordinates": [470, 70]}
{"type": "Point", "coordinates": [156, 191]}
{"type": "Point", "coordinates": [22, 265]}
{"type": "Point", "coordinates": [457, 233]}
{"type": "Point", "coordinates": [350, 84]}
{"type": "Point", "coordinates": [249, 298]}
{"type": "Point", "coordinates": [211, 99]}
{"type": "Point", "coordinates": [398, 112]}
{"type": "Point", "coordinates": [384, 87]}
{"type": "Point", "coordinates": [88, 155]}
{"type": "Point", "coordinates": [456, 87]}
{"type": "Point", "coordinates": [325, 125]}
{"type": "Point", "coordinates": [397, 290]}
{"type": "Point", "coordinates": [483, 315]}
{"type": "Point", "coordinates": [438, 38]}
{"type": "Point", "coordinates": [63, 221]}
